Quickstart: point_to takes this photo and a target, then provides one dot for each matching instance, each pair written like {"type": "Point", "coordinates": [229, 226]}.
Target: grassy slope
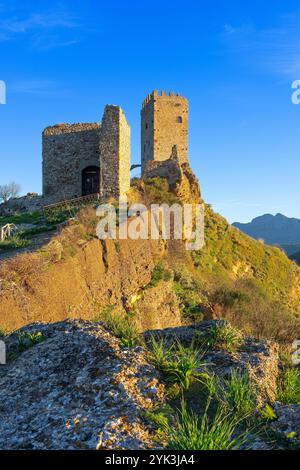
{"type": "Point", "coordinates": [230, 254]}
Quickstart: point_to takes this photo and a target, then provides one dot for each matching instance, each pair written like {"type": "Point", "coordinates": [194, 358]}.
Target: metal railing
{"type": "Point", "coordinates": [74, 203]}
{"type": "Point", "coordinates": [7, 231]}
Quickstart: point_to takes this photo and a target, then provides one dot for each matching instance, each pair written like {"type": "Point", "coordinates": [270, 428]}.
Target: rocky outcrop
{"type": "Point", "coordinates": [30, 203]}
{"type": "Point", "coordinates": [180, 177]}
{"type": "Point", "coordinates": [60, 283]}
{"type": "Point", "coordinates": [258, 358]}
{"type": "Point", "coordinates": [77, 389]}
{"type": "Point", "coordinates": [287, 424]}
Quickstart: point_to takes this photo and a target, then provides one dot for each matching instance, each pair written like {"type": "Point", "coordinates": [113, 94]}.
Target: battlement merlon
{"type": "Point", "coordinates": [163, 95]}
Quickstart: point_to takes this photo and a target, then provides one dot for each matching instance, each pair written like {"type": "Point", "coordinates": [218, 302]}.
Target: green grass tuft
{"type": "Point", "coordinates": [124, 327]}
{"type": "Point", "coordinates": [219, 432]}
{"type": "Point", "coordinates": [224, 336]}
{"type": "Point", "coordinates": [289, 387]}
{"type": "Point", "coordinates": [181, 365]}
{"type": "Point", "coordinates": [238, 394]}
{"type": "Point", "coordinates": [28, 340]}
{"type": "Point", "coordinates": [14, 242]}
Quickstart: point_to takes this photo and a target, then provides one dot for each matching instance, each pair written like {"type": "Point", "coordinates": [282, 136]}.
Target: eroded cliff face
{"type": "Point", "coordinates": [98, 274]}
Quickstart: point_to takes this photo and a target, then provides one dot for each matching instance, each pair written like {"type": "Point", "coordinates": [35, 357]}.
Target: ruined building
{"type": "Point", "coordinates": [82, 159]}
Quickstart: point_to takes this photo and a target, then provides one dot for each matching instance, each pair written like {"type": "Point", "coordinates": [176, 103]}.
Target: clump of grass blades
{"type": "Point", "coordinates": [225, 336]}
{"type": "Point", "coordinates": [160, 273]}
{"type": "Point", "coordinates": [178, 363]}
{"type": "Point", "coordinates": [219, 432]}
{"type": "Point", "coordinates": [124, 327]}
{"type": "Point", "coordinates": [238, 394]}
{"type": "Point", "coordinates": [16, 241]}
{"type": "Point", "coordinates": [27, 340]}
{"type": "Point", "coordinates": [289, 387]}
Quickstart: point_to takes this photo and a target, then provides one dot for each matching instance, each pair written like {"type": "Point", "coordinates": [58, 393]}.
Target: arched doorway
{"type": "Point", "coordinates": [90, 180]}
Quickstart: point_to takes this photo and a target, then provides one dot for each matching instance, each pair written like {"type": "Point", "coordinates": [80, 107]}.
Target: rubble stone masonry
{"type": "Point", "coordinates": [68, 149]}
{"type": "Point", "coordinates": [164, 123]}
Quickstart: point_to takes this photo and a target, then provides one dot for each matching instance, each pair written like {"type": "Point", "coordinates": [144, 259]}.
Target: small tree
{"type": "Point", "coordinates": [8, 191]}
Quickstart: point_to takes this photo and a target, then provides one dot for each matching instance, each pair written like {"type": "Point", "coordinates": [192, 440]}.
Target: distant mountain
{"type": "Point", "coordinates": [296, 257]}
{"type": "Point", "coordinates": [274, 230]}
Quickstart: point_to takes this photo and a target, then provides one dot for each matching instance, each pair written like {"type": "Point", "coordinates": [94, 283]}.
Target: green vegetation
{"type": "Point", "coordinates": [24, 341]}
{"type": "Point", "coordinates": [156, 191]}
{"type": "Point", "coordinates": [251, 284]}
{"type": "Point", "coordinates": [238, 395]}
{"type": "Point", "coordinates": [14, 242]}
{"type": "Point", "coordinates": [26, 218]}
{"type": "Point", "coordinates": [178, 363]}
{"type": "Point", "coordinates": [219, 432]}
{"type": "Point", "coordinates": [160, 273]}
{"type": "Point", "coordinates": [124, 327]}
{"type": "Point", "coordinates": [289, 387]}
{"type": "Point", "coordinates": [268, 413]}
{"type": "Point", "coordinates": [223, 336]}
{"type": "Point", "coordinates": [41, 223]}
{"type": "Point", "coordinates": [189, 291]}
{"type": "Point", "coordinates": [2, 333]}
{"type": "Point", "coordinates": [28, 340]}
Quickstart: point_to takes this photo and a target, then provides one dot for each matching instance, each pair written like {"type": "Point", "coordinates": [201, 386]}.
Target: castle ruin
{"type": "Point", "coordinates": [94, 158]}
{"type": "Point", "coordinates": [82, 159]}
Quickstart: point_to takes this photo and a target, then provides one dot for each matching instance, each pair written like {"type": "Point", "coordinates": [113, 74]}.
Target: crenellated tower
{"type": "Point", "coordinates": [164, 123]}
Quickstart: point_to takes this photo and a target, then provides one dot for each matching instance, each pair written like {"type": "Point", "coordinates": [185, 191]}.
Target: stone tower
{"type": "Point", "coordinates": [164, 123]}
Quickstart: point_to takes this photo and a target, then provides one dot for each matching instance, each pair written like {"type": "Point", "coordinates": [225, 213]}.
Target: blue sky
{"type": "Point", "coordinates": [235, 61]}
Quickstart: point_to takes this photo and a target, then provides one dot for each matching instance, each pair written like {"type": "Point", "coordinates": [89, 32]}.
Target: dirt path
{"type": "Point", "coordinates": [37, 241]}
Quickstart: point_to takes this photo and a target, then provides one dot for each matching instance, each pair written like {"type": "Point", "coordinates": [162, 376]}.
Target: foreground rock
{"type": "Point", "coordinates": [257, 358]}
{"type": "Point", "coordinates": [288, 422]}
{"type": "Point", "coordinates": [77, 389]}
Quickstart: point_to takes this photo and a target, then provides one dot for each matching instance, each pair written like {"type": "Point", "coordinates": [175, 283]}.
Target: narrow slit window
{"type": "Point", "coordinates": [179, 119]}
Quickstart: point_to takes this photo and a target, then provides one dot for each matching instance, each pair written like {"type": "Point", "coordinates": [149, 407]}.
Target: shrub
{"type": "Point", "coordinates": [289, 387]}
{"type": "Point", "coordinates": [248, 307]}
{"type": "Point", "coordinates": [220, 432]}
{"type": "Point", "coordinates": [160, 273]}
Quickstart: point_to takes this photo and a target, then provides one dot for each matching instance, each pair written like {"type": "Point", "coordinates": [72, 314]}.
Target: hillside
{"type": "Point", "coordinates": [274, 230]}
{"type": "Point", "coordinates": [104, 338]}
{"type": "Point", "coordinates": [76, 275]}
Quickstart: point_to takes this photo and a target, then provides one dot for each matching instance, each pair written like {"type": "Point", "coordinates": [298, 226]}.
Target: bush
{"type": "Point", "coordinates": [217, 433]}
{"type": "Point", "coordinates": [160, 273]}
{"type": "Point", "coordinates": [289, 387]}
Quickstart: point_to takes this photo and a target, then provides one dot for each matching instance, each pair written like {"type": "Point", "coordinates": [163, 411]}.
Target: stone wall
{"type": "Point", "coordinates": [70, 148]}
{"type": "Point", "coordinates": [164, 123]}
{"type": "Point", "coordinates": [67, 150]}
{"type": "Point", "coordinates": [115, 152]}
